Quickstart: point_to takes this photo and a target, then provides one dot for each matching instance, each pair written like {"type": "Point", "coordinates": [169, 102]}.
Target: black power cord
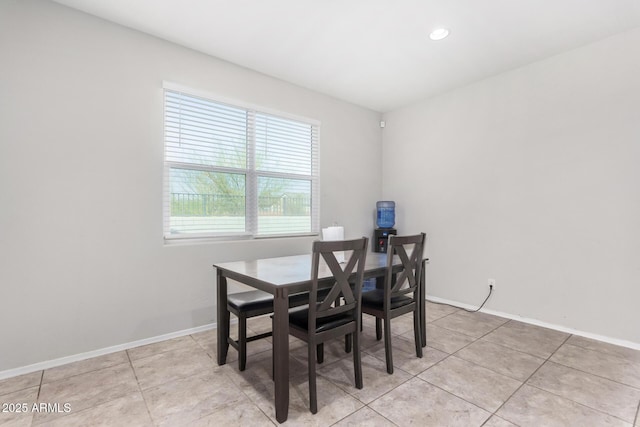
{"type": "Point", "coordinates": [468, 311]}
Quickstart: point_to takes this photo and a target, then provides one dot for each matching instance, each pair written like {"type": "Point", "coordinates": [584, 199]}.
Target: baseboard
{"type": "Point", "coordinates": [101, 352]}
{"type": "Point", "coordinates": [615, 341]}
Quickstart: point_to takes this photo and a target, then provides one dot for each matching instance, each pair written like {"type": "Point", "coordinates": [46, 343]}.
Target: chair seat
{"type": "Point", "coordinates": [250, 300]}
{"type": "Point", "coordinates": [299, 317]}
{"type": "Point", "coordinates": [375, 299]}
{"type": "Point", "coordinates": [259, 300]}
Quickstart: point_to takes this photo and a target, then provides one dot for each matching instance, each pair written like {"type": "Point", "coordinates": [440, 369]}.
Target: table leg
{"type": "Point", "coordinates": [222, 317]}
{"type": "Point", "coordinates": [281, 353]}
{"type": "Point", "coordinates": [423, 303]}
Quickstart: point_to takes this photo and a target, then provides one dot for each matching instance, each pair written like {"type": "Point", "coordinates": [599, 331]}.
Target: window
{"type": "Point", "coordinates": [234, 170]}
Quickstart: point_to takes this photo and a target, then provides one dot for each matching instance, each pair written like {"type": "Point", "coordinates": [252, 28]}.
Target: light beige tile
{"type": "Point", "coordinates": [260, 324]}
{"type": "Point", "coordinates": [240, 415]}
{"type": "Point", "coordinates": [601, 364]}
{"type": "Point", "coordinates": [503, 360]}
{"type": "Point", "coordinates": [435, 311]}
{"type": "Point", "coordinates": [256, 383]}
{"type": "Point", "coordinates": [496, 421]}
{"type": "Point", "coordinates": [129, 411]}
{"type": "Point", "coordinates": [368, 337]}
{"type": "Point", "coordinates": [533, 407]}
{"type": "Point", "coordinates": [446, 340]}
{"type": "Point", "coordinates": [399, 325]}
{"type": "Point", "coordinates": [18, 411]}
{"type": "Point", "coordinates": [208, 341]}
{"type": "Point", "coordinates": [375, 379]}
{"type": "Point", "coordinates": [21, 382]}
{"type": "Point", "coordinates": [417, 402]}
{"type": "Point", "coordinates": [402, 324]}
{"type": "Point", "coordinates": [186, 342]}
{"type": "Point", "coordinates": [259, 371]}
{"type": "Point", "coordinates": [473, 325]}
{"type": "Point", "coordinates": [401, 343]}
{"type": "Point", "coordinates": [87, 365]}
{"type": "Point", "coordinates": [471, 382]}
{"type": "Point", "coordinates": [368, 320]}
{"type": "Point", "coordinates": [364, 417]}
{"type": "Point", "coordinates": [169, 366]}
{"type": "Point", "coordinates": [404, 354]}
{"type": "Point", "coordinates": [334, 403]}
{"type": "Point", "coordinates": [333, 351]}
{"type": "Point", "coordinates": [254, 348]}
{"type": "Point", "coordinates": [188, 399]}
{"type": "Point", "coordinates": [87, 390]}
{"type": "Point", "coordinates": [626, 353]}
{"type": "Point", "coordinates": [531, 339]}
{"type": "Point", "coordinates": [598, 393]}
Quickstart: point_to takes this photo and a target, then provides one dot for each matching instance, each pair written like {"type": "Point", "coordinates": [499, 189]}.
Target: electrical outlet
{"type": "Point", "coordinates": [491, 283]}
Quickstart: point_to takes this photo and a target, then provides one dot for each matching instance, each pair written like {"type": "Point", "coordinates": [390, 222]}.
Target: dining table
{"type": "Point", "coordinates": [281, 277]}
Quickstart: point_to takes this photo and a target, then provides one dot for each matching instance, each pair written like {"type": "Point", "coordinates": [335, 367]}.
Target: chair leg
{"type": "Point", "coordinates": [226, 319]}
{"type": "Point", "coordinates": [357, 362]}
{"type": "Point", "coordinates": [417, 332]}
{"type": "Point", "coordinates": [387, 345]}
{"type": "Point", "coordinates": [242, 342]}
{"type": "Point", "coordinates": [320, 352]}
{"type": "Point", "coordinates": [347, 338]}
{"type": "Point", "coordinates": [378, 328]}
{"type": "Point", "coordinates": [313, 398]}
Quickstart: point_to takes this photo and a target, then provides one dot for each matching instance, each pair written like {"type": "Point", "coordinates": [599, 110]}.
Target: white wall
{"type": "Point", "coordinates": [532, 178]}
{"type": "Point", "coordinates": [83, 264]}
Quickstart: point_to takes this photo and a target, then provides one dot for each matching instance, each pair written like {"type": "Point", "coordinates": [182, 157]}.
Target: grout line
{"type": "Point", "coordinates": [412, 376]}
{"type": "Point", "coordinates": [637, 415]}
{"type": "Point", "coordinates": [144, 399]}
{"type": "Point", "coordinates": [40, 385]}
{"type": "Point", "coordinates": [367, 406]}
{"type": "Point", "coordinates": [458, 397]}
{"type": "Point", "coordinates": [249, 399]}
{"type": "Point", "coordinates": [511, 348]}
{"type": "Point", "coordinates": [591, 373]}
{"type": "Point", "coordinates": [33, 416]}
{"type": "Point", "coordinates": [577, 403]}
{"type": "Point", "coordinates": [465, 346]}
{"type": "Point", "coordinates": [84, 372]}
{"type": "Point", "coordinates": [532, 374]}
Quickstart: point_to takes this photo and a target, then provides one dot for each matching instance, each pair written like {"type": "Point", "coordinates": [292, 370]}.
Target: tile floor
{"type": "Point", "coordinates": [477, 370]}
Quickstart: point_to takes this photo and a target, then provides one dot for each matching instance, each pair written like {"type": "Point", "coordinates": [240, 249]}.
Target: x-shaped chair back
{"type": "Point", "coordinates": [343, 275]}
{"type": "Point", "coordinates": [406, 280]}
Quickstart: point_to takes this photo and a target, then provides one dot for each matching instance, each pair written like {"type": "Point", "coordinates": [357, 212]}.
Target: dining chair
{"type": "Point", "coordinates": [323, 318]}
{"type": "Point", "coordinates": [400, 293]}
{"type": "Point", "coordinates": [245, 305]}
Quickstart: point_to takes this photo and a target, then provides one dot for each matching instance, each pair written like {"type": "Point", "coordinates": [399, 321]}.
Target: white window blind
{"type": "Point", "coordinates": [235, 170]}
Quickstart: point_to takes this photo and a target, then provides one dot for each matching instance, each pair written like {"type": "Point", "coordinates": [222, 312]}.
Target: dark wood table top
{"type": "Point", "coordinates": [292, 272]}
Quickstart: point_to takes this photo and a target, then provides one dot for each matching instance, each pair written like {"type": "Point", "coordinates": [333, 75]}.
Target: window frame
{"type": "Point", "coordinates": [250, 171]}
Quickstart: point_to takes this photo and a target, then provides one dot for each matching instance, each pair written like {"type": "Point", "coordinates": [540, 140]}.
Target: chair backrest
{"type": "Point", "coordinates": [343, 275]}
{"type": "Point", "coordinates": [406, 280]}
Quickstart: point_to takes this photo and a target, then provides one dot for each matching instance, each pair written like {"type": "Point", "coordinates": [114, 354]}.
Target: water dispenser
{"type": "Point", "coordinates": [385, 220]}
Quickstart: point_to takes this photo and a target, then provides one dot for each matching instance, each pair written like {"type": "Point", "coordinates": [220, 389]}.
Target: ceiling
{"type": "Point", "coordinates": [374, 53]}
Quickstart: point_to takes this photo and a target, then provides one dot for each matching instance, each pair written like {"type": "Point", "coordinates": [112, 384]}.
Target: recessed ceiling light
{"type": "Point", "coordinates": [438, 34]}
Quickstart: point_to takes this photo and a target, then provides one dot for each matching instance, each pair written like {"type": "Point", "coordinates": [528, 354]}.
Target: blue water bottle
{"type": "Point", "coordinates": [386, 217]}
